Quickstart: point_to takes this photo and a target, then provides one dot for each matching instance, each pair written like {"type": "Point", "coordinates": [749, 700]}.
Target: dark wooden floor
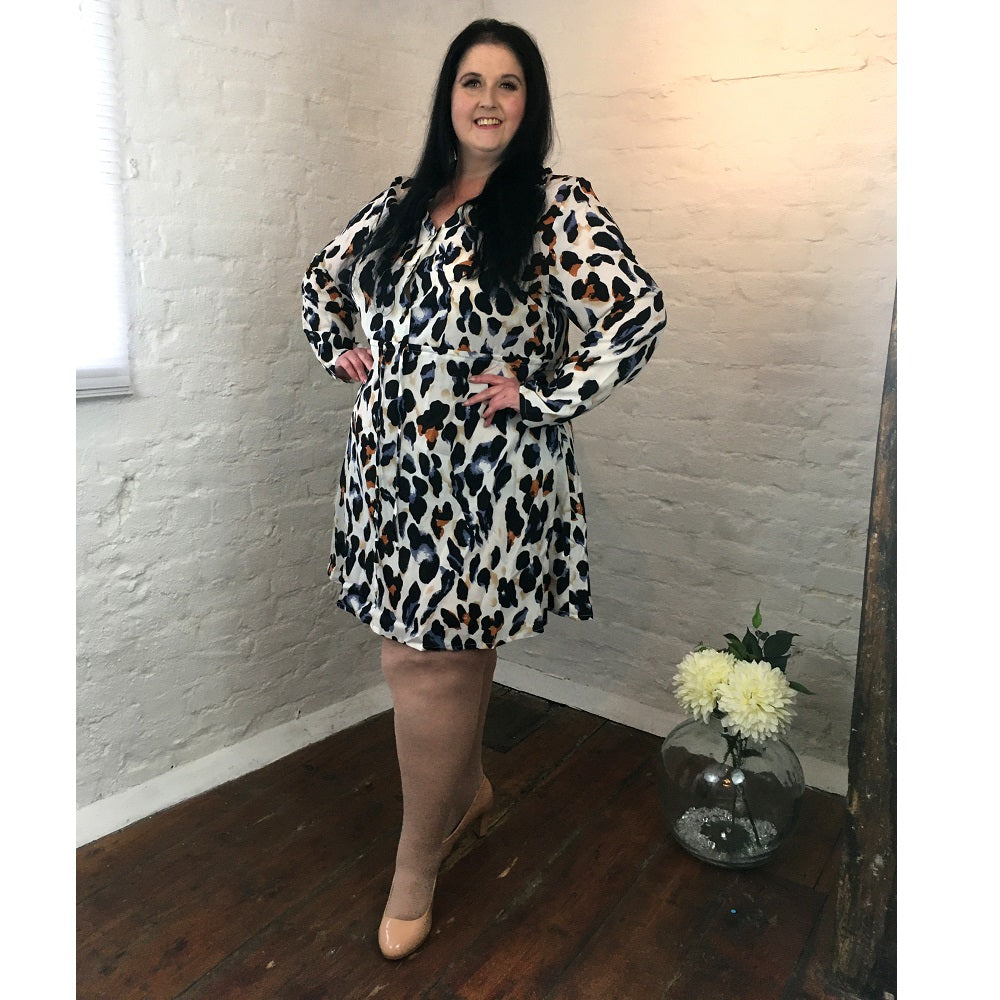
{"type": "Point", "coordinates": [272, 886]}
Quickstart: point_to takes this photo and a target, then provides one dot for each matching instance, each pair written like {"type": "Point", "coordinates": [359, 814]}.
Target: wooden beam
{"type": "Point", "coordinates": [864, 957]}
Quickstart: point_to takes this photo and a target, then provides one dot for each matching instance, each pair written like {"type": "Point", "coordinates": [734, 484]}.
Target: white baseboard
{"type": "Point", "coordinates": [117, 811]}
{"type": "Point", "coordinates": [818, 774]}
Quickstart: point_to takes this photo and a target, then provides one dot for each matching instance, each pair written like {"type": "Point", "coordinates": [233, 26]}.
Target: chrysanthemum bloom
{"type": "Point", "coordinates": [756, 700]}
{"type": "Point", "coordinates": [700, 677]}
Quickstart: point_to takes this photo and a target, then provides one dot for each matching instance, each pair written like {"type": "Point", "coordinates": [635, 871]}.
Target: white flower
{"type": "Point", "coordinates": [757, 700]}
{"type": "Point", "coordinates": [700, 677]}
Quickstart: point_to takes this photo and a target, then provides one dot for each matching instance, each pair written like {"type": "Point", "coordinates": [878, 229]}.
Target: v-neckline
{"type": "Point", "coordinates": [456, 214]}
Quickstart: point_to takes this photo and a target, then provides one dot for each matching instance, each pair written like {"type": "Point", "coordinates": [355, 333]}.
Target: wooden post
{"type": "Point", "coordinates": [864, 958]}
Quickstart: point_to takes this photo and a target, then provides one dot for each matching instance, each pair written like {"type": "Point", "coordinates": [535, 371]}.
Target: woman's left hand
{"type": "Point", "coordinates": [503, 394]}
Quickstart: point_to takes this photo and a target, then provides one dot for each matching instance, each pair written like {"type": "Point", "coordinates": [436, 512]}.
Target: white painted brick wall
{"type": "Point", "coordinates": [747, 150]}
{"type": "Point", "coordinates": [256, 129]}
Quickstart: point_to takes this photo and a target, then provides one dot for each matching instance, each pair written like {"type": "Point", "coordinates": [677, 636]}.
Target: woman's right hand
{"type": "Point", "coordinates": [354, 365]}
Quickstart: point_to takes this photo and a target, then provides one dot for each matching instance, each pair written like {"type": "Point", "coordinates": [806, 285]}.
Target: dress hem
{"type": "Point", "coordinates": [417, 642]}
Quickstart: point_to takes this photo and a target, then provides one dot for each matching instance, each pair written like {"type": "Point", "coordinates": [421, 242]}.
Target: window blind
{"type": "Point", "coordinates": [100, 318]}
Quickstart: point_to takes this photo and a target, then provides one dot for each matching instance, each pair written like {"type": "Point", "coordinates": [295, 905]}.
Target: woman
{"type": "Point", "coordinates": [460, 522]}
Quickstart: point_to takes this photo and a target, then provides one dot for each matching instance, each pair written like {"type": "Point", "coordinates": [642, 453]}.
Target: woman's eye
{"type": "Point", "coordinates": [471, 83]}
{"type": "Point", "coordinates": [509, 85]}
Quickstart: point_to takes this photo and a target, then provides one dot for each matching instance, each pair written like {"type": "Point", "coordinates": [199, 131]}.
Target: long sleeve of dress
{"type": "Point", "coordinates": [595, 278]}
{"type": "Point", "coordinates": [331, 318]}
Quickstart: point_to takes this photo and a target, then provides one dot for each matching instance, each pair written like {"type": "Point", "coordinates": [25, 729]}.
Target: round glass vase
{"type": "Point", "coordinates": [729, 801]}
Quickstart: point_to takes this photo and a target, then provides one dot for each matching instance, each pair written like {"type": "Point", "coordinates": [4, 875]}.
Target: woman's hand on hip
{"type": "Point", "coordinates": [502, 394]}
{"type": "Point", "coordinates": [354, 365]}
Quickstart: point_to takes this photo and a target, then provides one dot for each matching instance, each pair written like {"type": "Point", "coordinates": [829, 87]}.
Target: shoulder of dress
{"type": "Point", "coordinates": [396, 189]}
{"type": "Point", "coordinates": [571, 188]}
{"type": "Point", "coordinates": [386, 198]}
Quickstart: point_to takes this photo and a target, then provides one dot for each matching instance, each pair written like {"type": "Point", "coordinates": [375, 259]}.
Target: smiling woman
{"type": "Point", "coordinates": [459, 524]}
{"type": "Point", "coordinates": [487, 105]}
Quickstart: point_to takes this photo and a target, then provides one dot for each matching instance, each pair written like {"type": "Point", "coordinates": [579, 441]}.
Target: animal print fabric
{"type": "Point", "coordinates": [449, 534]}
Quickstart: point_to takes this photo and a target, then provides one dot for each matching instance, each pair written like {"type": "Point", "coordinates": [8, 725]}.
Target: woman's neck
{"type": "Point", "coordinates": [473, 168]}
{"type": "Point", "coordinates": [470, 181]}
{"type": "Point", "coordinates": [463, 187]}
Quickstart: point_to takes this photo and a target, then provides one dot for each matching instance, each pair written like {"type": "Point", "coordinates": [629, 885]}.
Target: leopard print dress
{"type": "Point", "coordinates": [450, 534]}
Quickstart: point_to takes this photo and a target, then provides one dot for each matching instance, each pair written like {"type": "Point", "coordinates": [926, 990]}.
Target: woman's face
{"type": "Point", "coordinates": [487, 104]}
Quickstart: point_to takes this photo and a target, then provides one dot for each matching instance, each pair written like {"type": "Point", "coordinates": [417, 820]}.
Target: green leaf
{"type": "Point", "coordinates": [752, 646]}
{"type": "Point", "coordinates": [778, 645]}
{"type": "Point", "coordinates": [796, 686]}
{"type": "Point", "coordinates": [756, 620]}
{"type": "Point", "coordinates": [736, 647]}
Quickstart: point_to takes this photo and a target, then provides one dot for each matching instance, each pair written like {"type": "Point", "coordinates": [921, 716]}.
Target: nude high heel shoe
{"type": "Point", "coordinates": [399, 938]}
{"type": "Point", "coordinates": [480, 809]}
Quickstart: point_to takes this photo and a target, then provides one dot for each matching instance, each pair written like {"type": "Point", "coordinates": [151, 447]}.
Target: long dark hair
{"type": "Point", "coordinates": [506, 213]}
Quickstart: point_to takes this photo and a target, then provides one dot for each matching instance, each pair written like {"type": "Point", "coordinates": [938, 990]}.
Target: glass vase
{"type": "Point", "coordinates": [728, 800]}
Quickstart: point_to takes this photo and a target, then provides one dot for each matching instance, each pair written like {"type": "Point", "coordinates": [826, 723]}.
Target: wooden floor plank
{"type": "Point", "coordinates": [114, 857]}
{"type": "Point", "coordinates": [306, 931]}
{"type": "Point", "coordinates": [751, 943]}
{"type": "Point", "coordinates": [480, 885]}
{"type": "Point", "coordinates": [543, 936]}
{"type": "Point", "coordinates": [185, 910]}
{"type": "Point", "coordinates": [813, 979]}
{"type": "Point", "coordinates": [271, 887]}
{"type": "Point", "coordinates": [806, 854]}
{"type": "Point", "coordinates": [318, 943]}
{"type": "Point", "coordinates": [648, 933]}
{"type": "Point", "coordinates": [566, 863]}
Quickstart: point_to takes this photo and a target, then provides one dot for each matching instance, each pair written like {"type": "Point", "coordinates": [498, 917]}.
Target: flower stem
{"type": "Point", "coordinates": [753, 825]}
{"type": "Point", "coordinates": [736, 747]}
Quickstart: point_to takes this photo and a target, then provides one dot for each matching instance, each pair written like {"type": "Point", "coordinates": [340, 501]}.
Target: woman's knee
{"type": "Point", "coordinates": [403, 664]}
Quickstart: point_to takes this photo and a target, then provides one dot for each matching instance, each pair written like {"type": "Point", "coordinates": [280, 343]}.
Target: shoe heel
{"type": "Point", "coordinates": [478, 811]}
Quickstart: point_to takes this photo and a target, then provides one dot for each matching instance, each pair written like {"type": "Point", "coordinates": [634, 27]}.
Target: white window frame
{"type": "Point", "coordinates": [101, 324]}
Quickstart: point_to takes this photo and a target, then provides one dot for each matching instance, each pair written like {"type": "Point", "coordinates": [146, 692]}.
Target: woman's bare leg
{"type": "Point", "coordinates": [438, 714]}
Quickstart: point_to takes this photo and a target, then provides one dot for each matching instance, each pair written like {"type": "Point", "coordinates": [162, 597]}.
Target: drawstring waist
{"type": "Point", "coordinates": [392, 353]}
